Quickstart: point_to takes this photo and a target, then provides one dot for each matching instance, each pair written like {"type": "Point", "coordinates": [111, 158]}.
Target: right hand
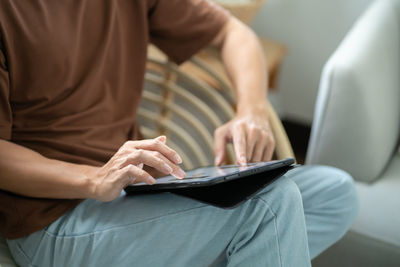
{"type": "Point", "coordinates": [126, 167]}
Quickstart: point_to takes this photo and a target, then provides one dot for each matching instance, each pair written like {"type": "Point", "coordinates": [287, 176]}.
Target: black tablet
{"type": "Point", "coordinates": [212, 175]}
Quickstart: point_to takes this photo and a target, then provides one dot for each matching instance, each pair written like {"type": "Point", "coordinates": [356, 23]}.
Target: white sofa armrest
{"type": "Point", "coordinates": [357, 115]}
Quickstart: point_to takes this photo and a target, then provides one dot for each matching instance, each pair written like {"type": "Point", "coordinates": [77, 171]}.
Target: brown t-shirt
{"type": "Point", "coordinates": [71, 75]}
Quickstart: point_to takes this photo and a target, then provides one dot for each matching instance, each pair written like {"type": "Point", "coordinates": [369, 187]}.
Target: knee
{"type": "Point", "coordinates": [289, 190]}
{"type": "Point", "coordinates": [340, 191]}
{"type": "Point", "coordinates": [285, 194]}
{"type": "Point", "coordinates": [348, 191]}
{"type": "Point", "coordinates": [342, 183]}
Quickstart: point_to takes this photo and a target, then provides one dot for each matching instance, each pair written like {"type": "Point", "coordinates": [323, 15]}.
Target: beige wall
{"type": "Point", "coordinates": [311, 29]}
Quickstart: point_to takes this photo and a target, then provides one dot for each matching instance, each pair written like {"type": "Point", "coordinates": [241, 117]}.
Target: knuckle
{"type": "Point", "coordinates": [156, 154]}
{"type": "Point", "coordinates": [238, 124]}
{"type": "Point", "coordinates": [128, 143]}
{"type": "Point", "coordinates": [130, 159]}
{"type": "Point", "coordinates": [157, 143]}
{"type": "Point", "coordinates": [218, 132]}
{"type": "Point", "coordinates": [131, 168]}
{"type": "Point", "coordinates": [265, 140]}
{"type": "Point", "coordinates": [123, 150]}
{"type": "Point", "coordinates": [132, 171]}
{"type": "Point", "coordinates": [271, 140]}
{"type": "Point", "coordinates": [154, 142]}
{"type": "Point", "coordinates": [241, 123]}
{"type": "Point", "coordinates": [241, 142]}
{"type": "Point", "coordinates": [139, 172]}
{"type": "Point", "coordinates": [136, 172]}
{"type": "Point", "coordinates": [137, 153]}
{"type": "Point", "coordinates": [112, 170]}
{"type": "Point", "coordinates": [253, 130]}
{"type": "Point", "coordinates": [160, 161]}
{"type": "Point", "coordinates": [118, 161]}
{"type": "Point", "coordinates": [171, 153]}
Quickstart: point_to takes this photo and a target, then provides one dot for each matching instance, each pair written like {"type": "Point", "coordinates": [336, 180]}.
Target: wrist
{"type": "Point", "coordinates": [87, 185]}
{"type": "Point", "coordinates": [259, 107]}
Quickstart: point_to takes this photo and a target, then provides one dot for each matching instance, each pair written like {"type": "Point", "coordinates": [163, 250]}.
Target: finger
{"type": "Point", "coordinates": [220, 140]}
{"type": "Point", "coordinates": [239, 143]}
{"type": "Point", "coordinates": [162, 138]}
{"type": "Point", "coordinates": [260, 147]}
{"type": "Point", "coordinates": [160, 162]}
{"type": "Point", "coordinates": [268, 153]}
{"type": "Point", "coordinates": [132, 174]}
{"type": "Point", "coordinates": [153, 159]}
{"type": "Point", "coordinates": [252, 138]}
{"type": "Point", "coordinates": [160, 146]}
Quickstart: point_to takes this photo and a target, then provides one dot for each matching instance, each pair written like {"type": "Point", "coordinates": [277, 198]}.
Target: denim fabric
{"type": "Point", "coordinates": [271, 229]}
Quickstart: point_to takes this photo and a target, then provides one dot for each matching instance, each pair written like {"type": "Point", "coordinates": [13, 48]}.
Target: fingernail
{"type": "Point", "coordinates": [140, 166]}
{"type": "Point", "coordinates": [243, 160]}
{"type": "Point", "coordinates": [217, 160]}
{"type": "Point", "coordinates": [177, 159]}
{"type": "Point", "coordinates": [162, 138]}
{"type": "Point", "coordinates": [179, 173]}
{"type": "Point", "coordinates": [167, 168]}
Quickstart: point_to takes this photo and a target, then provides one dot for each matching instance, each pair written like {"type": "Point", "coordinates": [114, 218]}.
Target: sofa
{"type": "Point", "coordinates": [356, 127]}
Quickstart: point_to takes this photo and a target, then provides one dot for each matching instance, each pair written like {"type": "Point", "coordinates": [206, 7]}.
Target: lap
{"type": "Point", "coordinates": [155, 222]}
{"type": "Point", "coordinates": [127, 210]}
{"type": "Point", "coordinates": [130, 210]}
{"type": "Point", "coordinates": [161, 223]}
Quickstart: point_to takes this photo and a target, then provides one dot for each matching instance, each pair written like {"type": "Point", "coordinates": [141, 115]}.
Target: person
{"type": "Point", "coordinates": [71, 74]}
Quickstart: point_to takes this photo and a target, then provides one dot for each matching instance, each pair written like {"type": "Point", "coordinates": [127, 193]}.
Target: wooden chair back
{"type": "Point", "coordinates": [187, 110]}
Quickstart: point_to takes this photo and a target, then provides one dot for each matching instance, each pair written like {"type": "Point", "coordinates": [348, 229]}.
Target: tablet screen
{"type": "Point", "coordinates": [206, 174]}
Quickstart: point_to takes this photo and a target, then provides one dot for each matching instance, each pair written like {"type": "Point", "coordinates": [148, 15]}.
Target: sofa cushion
{"type": "Point", "coordinates": [379, 215]}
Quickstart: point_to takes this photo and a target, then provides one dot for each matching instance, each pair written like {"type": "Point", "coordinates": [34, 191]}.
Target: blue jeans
{"type": "Point", "coordinates": [289, 222]}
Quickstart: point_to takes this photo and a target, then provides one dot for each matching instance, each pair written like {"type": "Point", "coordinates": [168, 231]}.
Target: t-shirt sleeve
{"type": "Point", "coordinates": [180, 28]}
{"type": "Point", "coordinates": [5, 107]}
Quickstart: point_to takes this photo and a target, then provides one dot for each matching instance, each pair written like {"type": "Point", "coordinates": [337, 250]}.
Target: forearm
{"type": "Point", "coordinates": [25, 172]}
{"type": "Point", "coordinates": [244, 61]}
{"type": "Point", "coordinates": [249, 131]}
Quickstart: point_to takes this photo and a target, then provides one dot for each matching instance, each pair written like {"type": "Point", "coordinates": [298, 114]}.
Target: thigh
{"type": "Point", "coordinates": [169, 230]}
{"type": "Point", "coordinates": [140, 230]}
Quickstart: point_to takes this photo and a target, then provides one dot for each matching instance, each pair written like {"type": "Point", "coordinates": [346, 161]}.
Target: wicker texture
{"type": "Point", "coordinates": [187, 110]}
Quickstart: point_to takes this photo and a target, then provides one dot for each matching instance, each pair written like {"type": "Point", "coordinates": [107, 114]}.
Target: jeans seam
{"type": "Point", "coordinates": [275, 226]}
{"type": "Point", "coordinates": [121, 226]}
{"type": "Point", "coordinates": [22, 252]}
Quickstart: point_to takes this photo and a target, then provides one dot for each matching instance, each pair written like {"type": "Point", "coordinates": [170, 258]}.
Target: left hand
{"type": "Point", "coordinates": [251, 135]}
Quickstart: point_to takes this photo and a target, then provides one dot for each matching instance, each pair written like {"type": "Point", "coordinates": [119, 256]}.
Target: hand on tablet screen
{"type": "Point", "coordinates": [251, 136]}
{"type": "Point", "coordinates": [126, 167]}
